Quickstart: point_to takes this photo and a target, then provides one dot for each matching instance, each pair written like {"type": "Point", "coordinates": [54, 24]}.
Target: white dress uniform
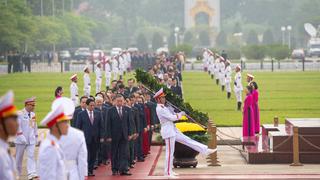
{"type": "Point", "coordinates": [108, 74]}
{"type": "Point", "coordinates": [205, 59]}
{"type": "Point", "coordinates": [228, 72]}
{"type": "Point", "coordinates": [98, 79]}
{"type": "Point", "coordinates": [115, 68]}
{"type": "Point", "coordinates": [75, 152]}
{"type": "Point", "coordinates": [216, 68]}
{"type": "Point", "coordinates": [51, 160]}
{"type": "Point", "coordinates": [238, 86]}
{"type": "Point", "coordinates": [122, 65]}
{"type": "Point", "coordinates": [87, 85]}
{"type": "Point", "coordinates": [26, 139]}
{"type": "Point", "coordinates": [7, 164]}
{"type": "Point", "coordinates": [51, 157]}
{"type": "Point", "coordinates": [74, 93]}
{"type": "Point", "coordinates": [211, 64]}
{"type": "Point", "coordinates": [222, 78]}
{"type": "Point", "coordinates": [128, 60]}
{"type": "Point", "coordinates": [170, 134]}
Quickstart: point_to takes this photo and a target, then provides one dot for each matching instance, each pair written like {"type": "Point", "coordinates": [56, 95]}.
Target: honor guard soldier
{"type": "Point", "coordinates": [74, 92]}
{"type": "Point", "coordinates": [98, 77]}
{"type": "Point", "coordinates": [250, 78]}
{"type": "Point", "coordinates": [8, 127]}
{"type": "Point", "coordinates": [86, 80]}
{"type": "Point", "coordinates": [216, 69]}
{"type": "Point", "coordinates": [26, 138]}
{"type": "Point", "coordinates": [171, 134]}
{"type": "Point", "coordinates": [51, 158]}
{"type": "Point", "coordinates": [238, 86]}
{"type": "Point", "coordinates": [228, 72]}
{"type": "Point", "coordinates": [222, 77]}
{"type": "Point", "coordinates": [108, 73]}
{"type": "Point", "coordinates": [115, 67]}
{"type": "Point", "coordinates": [73, 145]}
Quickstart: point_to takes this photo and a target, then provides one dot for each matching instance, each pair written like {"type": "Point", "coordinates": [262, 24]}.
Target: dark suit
{"type": "Point", "coordinates": [142, 125]}
{"type": "Point", "coordinates": [153, 116]}
{"type": "Point", "coordinates": [176, 90]}
{"type": "Point", "coordinates": [103, 146]}
{"type": "Point", "coordinates": [75, 115]}
{"type": "Point", "coordinates": [92, 133]}
{"type": "Point", "coordinates": [128, 91]}
{"type": "Point", "coordinates": [134, 128]}
{"type": "Point", "coordinates": [118, 129]}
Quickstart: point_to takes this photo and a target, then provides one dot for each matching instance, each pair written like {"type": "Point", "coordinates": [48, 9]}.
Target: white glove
{"type": "Point", "coordinates": [182, 113]}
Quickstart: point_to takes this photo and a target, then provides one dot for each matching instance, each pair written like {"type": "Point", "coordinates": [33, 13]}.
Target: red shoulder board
{"type": "Point", "coordinates": [53, 143]}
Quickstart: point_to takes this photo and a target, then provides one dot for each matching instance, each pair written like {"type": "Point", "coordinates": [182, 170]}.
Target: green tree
{"type": "Point", "coordinates": [157, 41]}
{"type": "Point", "coordinates": [221, 40]}
{"type": "Point", "coordinates": [186, 48]}
{"type": "Point", "coordinates": [204, 38]}
{"type": "Point", "coordinates": [256, 52]}
{"type": "Point", "coordinates": [142, 42]}
{"type": "Point", "coordinates": [278, 51]}
{"type": "Point", "coordinates": [188, 37]}
{"type": "Point", "coordinates": [267, 37]}
{"type": "Point", "coordinates": [252, 38]}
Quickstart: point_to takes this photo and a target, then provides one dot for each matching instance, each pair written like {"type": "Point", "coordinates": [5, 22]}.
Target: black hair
{"type": "Point", "coordinates": [249, 88]}
{"type": "Point", "coordinates": [121, 86]}
{"type": "Point", "coordinates": [92, 97]}
{"type": "Point", "coordinates": [89, 100]}
{"type": "Point", "coordinates": [58, 89]}
{"type": "Point", "coordinates": [82, 97]}
{"type": "Point", "coordinates": [254, 84]}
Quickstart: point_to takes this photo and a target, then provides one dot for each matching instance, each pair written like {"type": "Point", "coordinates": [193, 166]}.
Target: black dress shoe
{"type": "Point", "coordinates": [125, 173]}
{"type": "Point", "coordinates": [131, 166]}
{"type": "Point", "coordinates": [95, 167]}
{"type": "Point", "coordinates": [114, 173]}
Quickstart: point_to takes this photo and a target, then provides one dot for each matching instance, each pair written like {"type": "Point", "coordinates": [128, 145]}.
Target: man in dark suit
{"type": "Point", "coordinates": [142, 127]}
{"type": "Point", "coordinates": [131, 88]}
{"type": "Point", "coordinates": [175, 88]}
{"type": "Point", "coordinates": [135, 128]}
{"type": "Point", "coordinates": [153, 114]}
{"type": "Point", "coordinates": [102, 152]}
{"type": "Point", "coordinates": [118, 133]}
{"type": "Point", "coordinates": [82, 107]}
{"type": "Point", "coordinates": [90, 122]}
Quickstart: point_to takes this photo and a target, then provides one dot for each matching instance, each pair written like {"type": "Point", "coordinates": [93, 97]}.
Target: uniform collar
{"type": "Point", "coordinates": [4, 144]}
{"type": "Point", "coordinates": [52, 137]}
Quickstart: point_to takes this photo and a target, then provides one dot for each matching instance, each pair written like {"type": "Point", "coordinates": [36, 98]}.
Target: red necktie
{"type": "Point", "coordinates": [91, 117]}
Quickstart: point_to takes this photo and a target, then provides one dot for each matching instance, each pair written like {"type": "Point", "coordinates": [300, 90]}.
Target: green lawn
{"type": "Point", "coordinates": [283, 94]}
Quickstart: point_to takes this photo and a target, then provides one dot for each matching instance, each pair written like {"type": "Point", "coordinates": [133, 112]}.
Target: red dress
{"type": "Point", "coordinates": [145, 137]}
{"type": "Point", "coordinates": [248, 124]}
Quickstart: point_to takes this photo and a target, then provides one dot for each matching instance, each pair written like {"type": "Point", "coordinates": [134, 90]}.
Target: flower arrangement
{"type": "Point", "coordinates": [194, 131]}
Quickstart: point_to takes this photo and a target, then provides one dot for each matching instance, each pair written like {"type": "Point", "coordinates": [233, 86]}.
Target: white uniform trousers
{"type": "Point", "coordinates": [183, 139]}
{"type": "Point", "coordinates": [228, 86]}
{"type": "Point", "coordinates": [222, 79]}
{"type": "Point", "coordinates": [170, 143]}
{"type": "Point", "coordinates": [31, 161]}
{"type": "Point", "coordinates": [108, 78]}
{"type": "Point", "coordinates": [115, 75]}
{"type": "Point", "coordinates": [238, 96]}
{"type": "Point", "coordinates": [98, 85]}
{"type": "Point", "coordinates": [75, 101]}
{"type": "Point", "coordinates": [87, 91]}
